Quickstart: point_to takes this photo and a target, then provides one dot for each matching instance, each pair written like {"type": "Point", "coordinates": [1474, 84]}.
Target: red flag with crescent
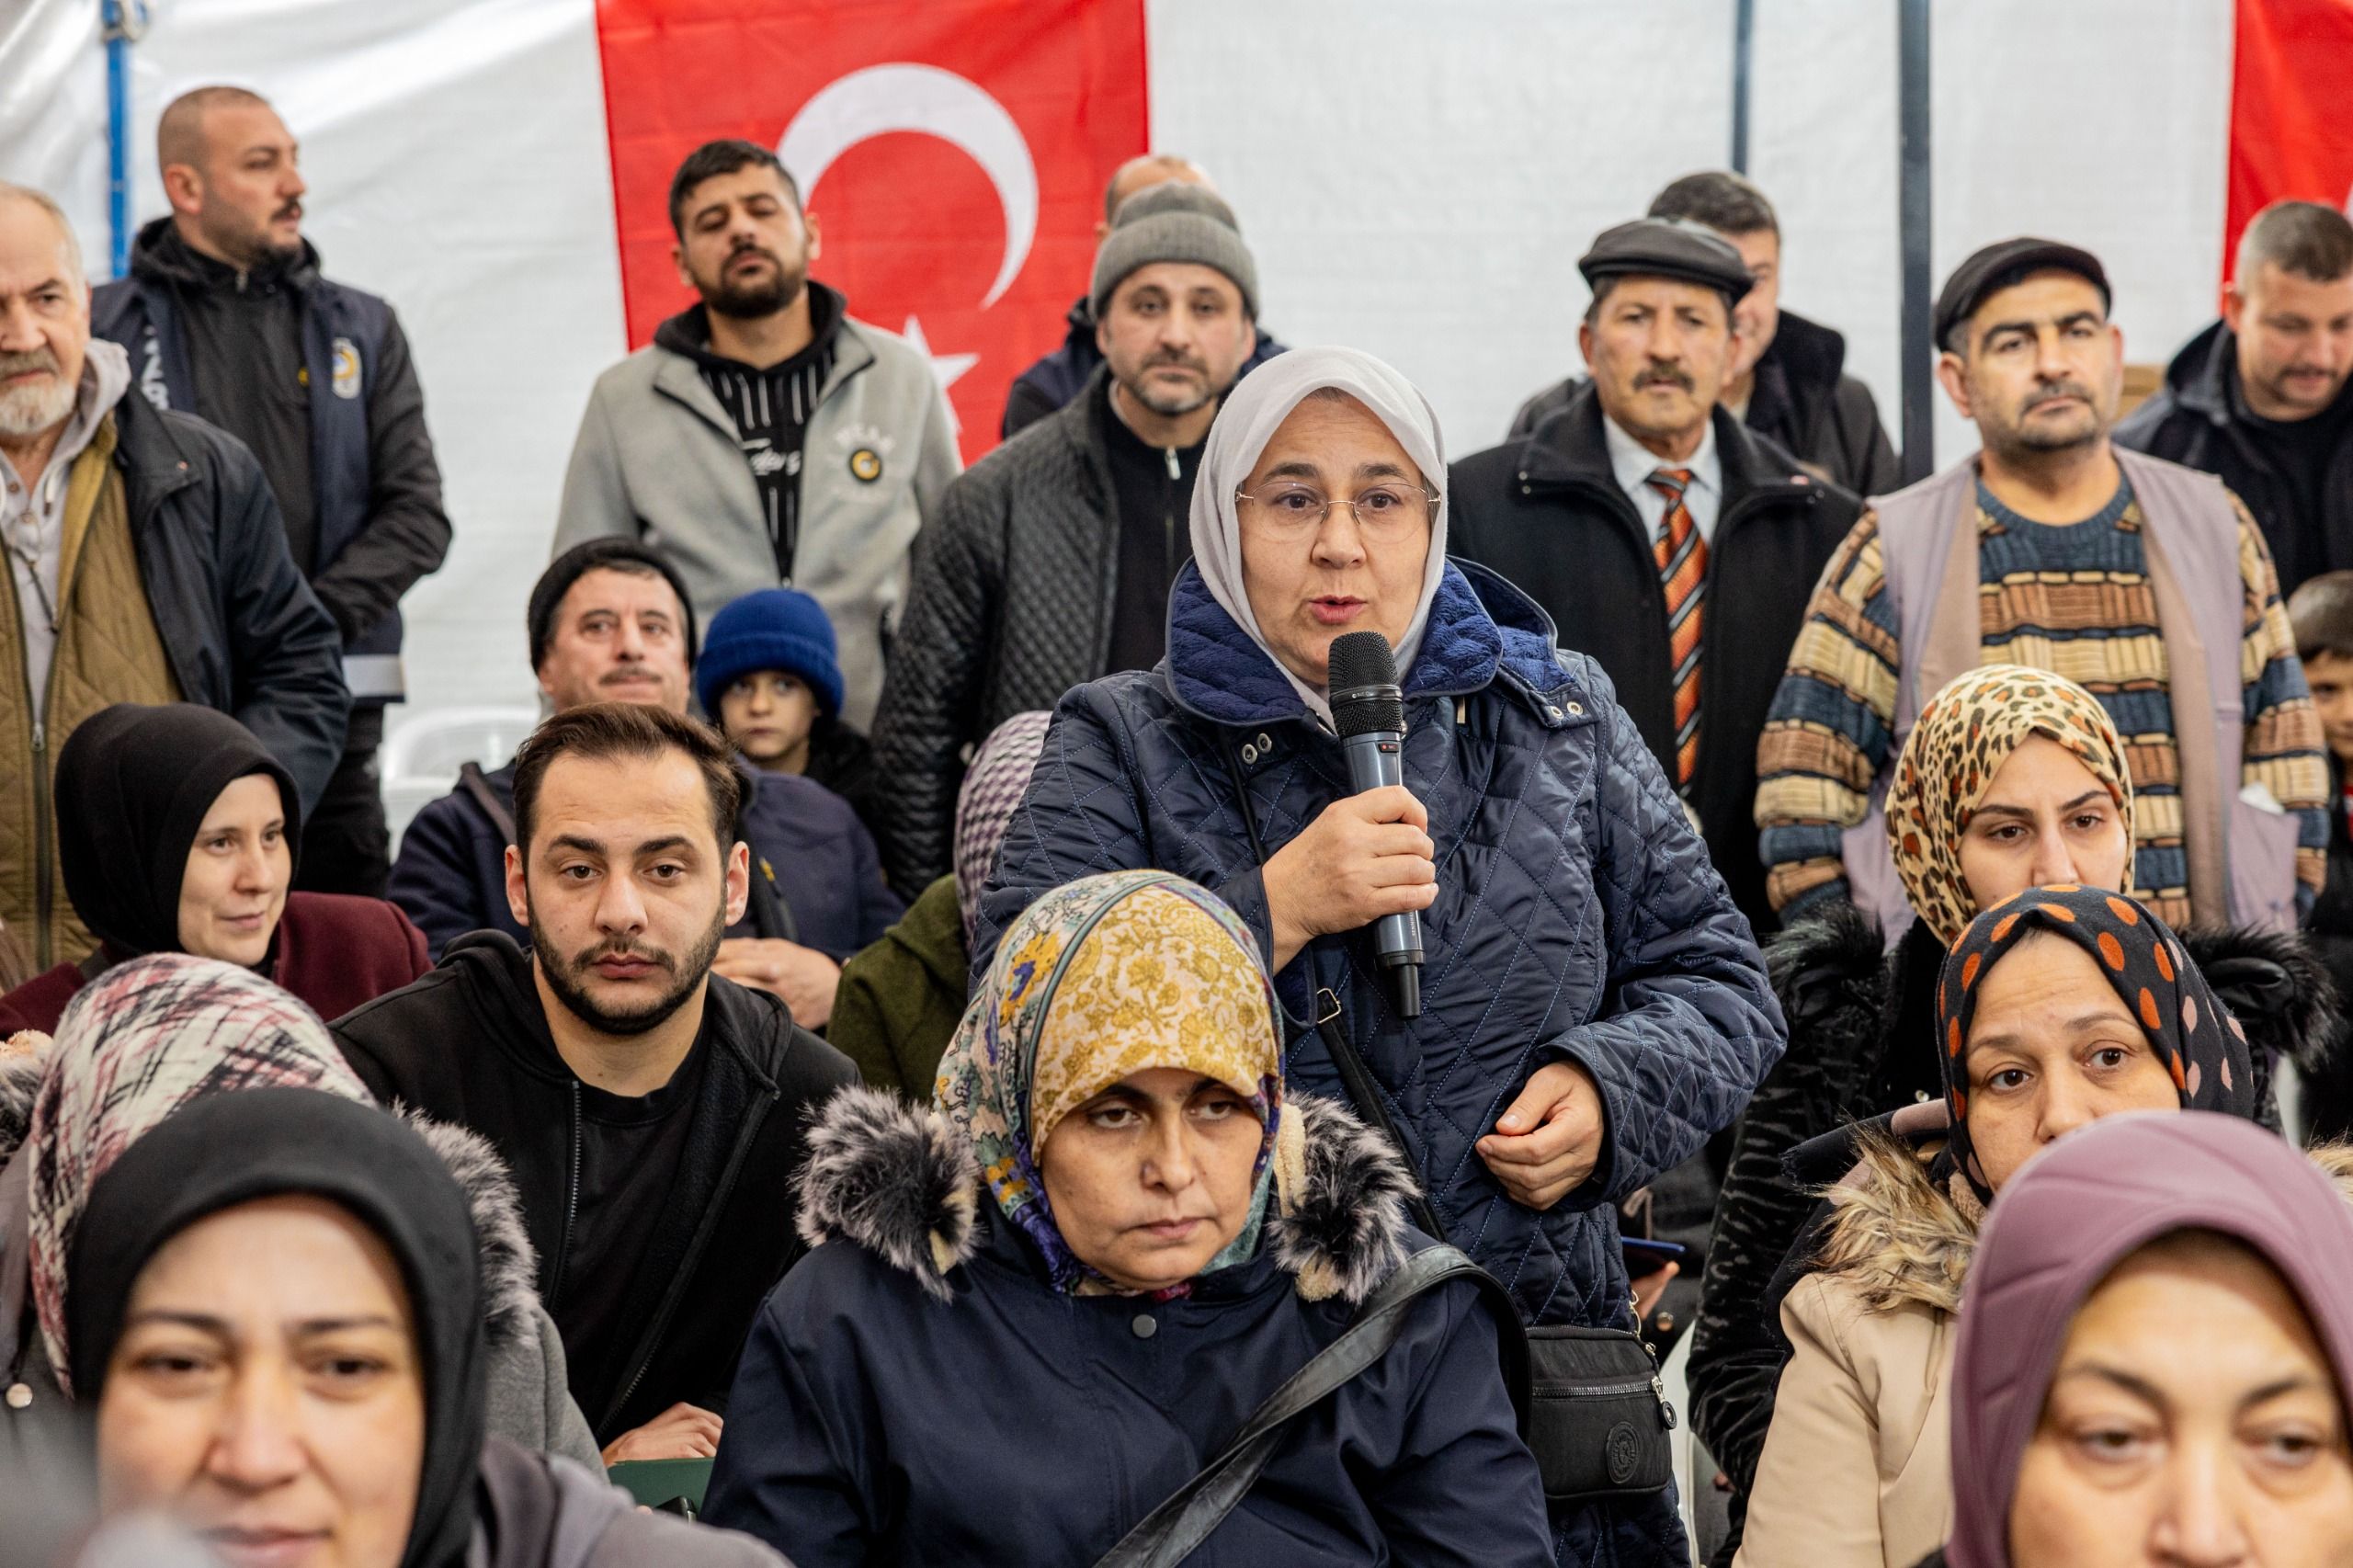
{"type": "Point", "coordinates": [2292, 79]}
{"type": "Point", "coordinates": [954, 152]}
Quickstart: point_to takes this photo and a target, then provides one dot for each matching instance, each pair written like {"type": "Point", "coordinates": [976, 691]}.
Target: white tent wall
{"type": "Point", "coordinates": [1415, 177]}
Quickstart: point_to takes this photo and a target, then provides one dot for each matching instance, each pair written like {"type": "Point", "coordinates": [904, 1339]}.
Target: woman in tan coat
{"type": "Point", "coordinates": [2057, 1006]}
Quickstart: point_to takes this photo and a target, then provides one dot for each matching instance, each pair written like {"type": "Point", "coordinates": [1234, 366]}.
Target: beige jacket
{"type": "Point", "coordinates": [1857, 1469]}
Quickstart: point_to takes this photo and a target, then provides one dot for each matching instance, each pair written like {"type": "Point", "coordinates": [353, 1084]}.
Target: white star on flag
{"type": "Point", "coordinates": [947, 367]}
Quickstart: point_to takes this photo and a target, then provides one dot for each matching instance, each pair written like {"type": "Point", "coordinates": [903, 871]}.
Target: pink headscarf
{"type": "Point", "coordinates": [139, 1043]}
{"type": "Point", "coordinates": [2039, 1257]}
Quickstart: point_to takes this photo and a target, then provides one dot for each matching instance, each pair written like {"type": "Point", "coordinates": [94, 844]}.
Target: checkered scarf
{"type": "Point", "coordinates": [993, 791]}
{"type": "Point", "coordinates": [142, 1041]}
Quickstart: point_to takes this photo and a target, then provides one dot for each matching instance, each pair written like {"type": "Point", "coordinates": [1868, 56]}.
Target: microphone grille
{"type": "Point", "coordinates": [1358, 661]}
{"type": "Point", "coordinates": [1361, 658]}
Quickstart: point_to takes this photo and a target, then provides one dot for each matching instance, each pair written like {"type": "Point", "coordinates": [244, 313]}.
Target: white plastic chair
{"type": "Point", "coordinates": [422, 754]}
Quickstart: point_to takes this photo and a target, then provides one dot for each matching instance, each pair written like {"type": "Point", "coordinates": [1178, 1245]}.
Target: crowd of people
{"type": "Point", "coordinates": [906, 1036]}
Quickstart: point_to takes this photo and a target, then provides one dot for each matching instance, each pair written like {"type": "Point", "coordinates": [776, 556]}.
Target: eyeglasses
{"type": "Point", "coordinates": [1379, 505]}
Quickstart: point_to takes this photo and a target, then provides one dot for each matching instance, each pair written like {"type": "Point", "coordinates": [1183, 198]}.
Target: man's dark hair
{"type": "Point", "coordinates": [713, 159]}
{"type": "Point", "coordinates": [2321, 612]}
{"type": "Point", "coordinates": [2303, 237]}
{"type": "Point", "coordinates": [605, 731]}
{"type": "Point", "coordinates": [1722, 200]}
{"type": "Point", "coordinates": [609, 554]}
{"type": "Point", "coordinates": [179, 132]}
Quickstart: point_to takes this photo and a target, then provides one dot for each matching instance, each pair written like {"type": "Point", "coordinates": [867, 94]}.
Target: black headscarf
{"type": "Point", "coordinates": [233, 1149]}
{"type": "Point", "coordinates": [133, 784]}
{"type": "Point", "coordinates": [2194, 1035]}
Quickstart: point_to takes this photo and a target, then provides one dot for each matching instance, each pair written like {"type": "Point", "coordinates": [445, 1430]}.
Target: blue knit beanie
{"type": "Point", "coordinates": [775, 628]}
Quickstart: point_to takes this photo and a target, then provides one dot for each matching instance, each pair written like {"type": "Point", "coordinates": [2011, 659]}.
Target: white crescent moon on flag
{"type": "Point", "coordinates": [883, 99]}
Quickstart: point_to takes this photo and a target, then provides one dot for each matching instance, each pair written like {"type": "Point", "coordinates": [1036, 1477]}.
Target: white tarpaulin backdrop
{"type": "Point", "coordinates": [1417, 177]}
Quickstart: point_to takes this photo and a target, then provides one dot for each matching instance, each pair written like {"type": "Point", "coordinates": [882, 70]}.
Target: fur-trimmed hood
{"type": "Point", "coordinates": [902, 1182]}
{"type": "Point", "coordinates": [509, 1264]}
{"type": "Point", "coordinates": [1899, 1239]}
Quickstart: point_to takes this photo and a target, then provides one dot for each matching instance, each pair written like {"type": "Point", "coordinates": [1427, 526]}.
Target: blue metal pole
{"type": "Point", "coordinates": [121, 22]}
{"type": "Point", "coordinates": [1744, 48]}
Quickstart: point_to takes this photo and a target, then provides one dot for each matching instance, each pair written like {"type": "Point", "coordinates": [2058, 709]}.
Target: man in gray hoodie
{"type": "Point", "coordinates": [765, 438]}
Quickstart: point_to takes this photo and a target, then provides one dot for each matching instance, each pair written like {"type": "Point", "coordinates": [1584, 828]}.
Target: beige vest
{"type": "Point", "coordinates": [107, 651]}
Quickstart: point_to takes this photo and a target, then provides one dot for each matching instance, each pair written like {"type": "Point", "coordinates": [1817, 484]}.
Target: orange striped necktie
{"type": "Point", "coordinates": [1682, 557]}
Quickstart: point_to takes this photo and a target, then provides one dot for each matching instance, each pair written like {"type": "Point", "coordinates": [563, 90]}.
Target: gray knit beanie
{"type": "Point", "coordinates": [1174, 221]}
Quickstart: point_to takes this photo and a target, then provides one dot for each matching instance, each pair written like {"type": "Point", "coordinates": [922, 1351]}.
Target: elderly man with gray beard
{"type": "Point", "coordinates": [147, 564]}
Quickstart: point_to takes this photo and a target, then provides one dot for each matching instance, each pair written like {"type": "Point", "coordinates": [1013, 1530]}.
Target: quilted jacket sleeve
{"type": "Point", "coordinates": [931, 696]}
{"type": "Point", "coordinates": [1690, 1025]}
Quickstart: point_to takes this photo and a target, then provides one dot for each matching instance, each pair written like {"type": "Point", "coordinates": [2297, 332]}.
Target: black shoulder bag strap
{"type": "Point", "coordinates": [1172, 1531]}
{"type": "Point", "coordinates": [1363, 1093]}
{"type": "Point", "coordinates": [470, 779]}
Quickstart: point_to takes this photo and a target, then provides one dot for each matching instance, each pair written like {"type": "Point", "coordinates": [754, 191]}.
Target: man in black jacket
{"type": "Point", "coordinates": [1050, 560]}
{"type": "Point", "coordinates": [226, 316]}
{"type": "Point", "coordinates": [2260, 399]}
{"type": "Point", "coordinates": [148, 565]}
{"type": "Point", "coordinates": [1787, 380]}
{"type": "Point", "coordinates": [1056, 380]}
{"type": "Point", "coordinates": [651, 1111]}
{"type": "Point", "coordinates": [1575, 514]}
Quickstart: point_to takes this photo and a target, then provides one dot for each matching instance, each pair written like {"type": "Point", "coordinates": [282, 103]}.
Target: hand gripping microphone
{"type": "Point", "coordinates": [1369, 712]}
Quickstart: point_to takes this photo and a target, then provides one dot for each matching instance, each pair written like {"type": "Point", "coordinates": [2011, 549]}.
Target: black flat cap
{"type": "Point", "coordinates": [2002, 264]}
{"type": "Point", "coordinates": [1667, 247]}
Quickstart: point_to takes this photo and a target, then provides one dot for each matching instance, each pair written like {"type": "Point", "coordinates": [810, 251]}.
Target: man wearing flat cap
{"type": "Point", "coordinates": [1665, 538]}
{"type": "Point", "coordinates": [1049, 564]}
{"type": "Point", "coordinates": [2146, 582]}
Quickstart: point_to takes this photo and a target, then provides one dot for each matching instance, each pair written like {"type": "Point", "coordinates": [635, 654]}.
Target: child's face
{"type": "Point", "coordinates": [2330, 675]}
{"type": "Point", "coordinates": [767, 715]}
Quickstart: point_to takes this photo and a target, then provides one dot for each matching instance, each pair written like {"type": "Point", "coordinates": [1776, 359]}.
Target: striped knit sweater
{"type": "Point", "coordinates": [2073, 601]}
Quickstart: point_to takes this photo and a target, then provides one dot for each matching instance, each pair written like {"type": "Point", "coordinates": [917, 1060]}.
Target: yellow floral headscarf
{"type": "Point", "coordinates": [1964, 735]}
{"type": "Point", "coordinates": [1099, 979]}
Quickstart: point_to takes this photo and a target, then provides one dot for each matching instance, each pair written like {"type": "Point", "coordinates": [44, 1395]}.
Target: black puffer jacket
{"type": "Point", "coordinates": [1859, 1023]}
{"type": "Point", "coordinates": [1010, 607]}
{"type": "Point", "coordinates": [1804, 401]}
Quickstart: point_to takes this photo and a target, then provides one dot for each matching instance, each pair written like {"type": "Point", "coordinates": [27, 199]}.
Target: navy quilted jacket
{"type": "Point", "coordinates": [1577, 917]}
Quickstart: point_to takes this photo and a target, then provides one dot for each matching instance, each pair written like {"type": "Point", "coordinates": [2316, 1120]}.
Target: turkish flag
{"type": "Point", "coordinates": [2291, 137]}
{"type": "Point", "coordinates": [954, 152]}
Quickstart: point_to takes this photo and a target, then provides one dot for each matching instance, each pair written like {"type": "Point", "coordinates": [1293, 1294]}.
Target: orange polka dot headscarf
{"type": "Point", "coordinates": [2193, 1035]}
{"type": "Point", "coordinates": [1964, 735]}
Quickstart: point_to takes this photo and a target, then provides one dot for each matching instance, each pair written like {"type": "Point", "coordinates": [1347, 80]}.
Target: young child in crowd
{"type": "Point", "coordinates": [2321, 612]}
{"type": "Point", "coordinates": [769, 678]}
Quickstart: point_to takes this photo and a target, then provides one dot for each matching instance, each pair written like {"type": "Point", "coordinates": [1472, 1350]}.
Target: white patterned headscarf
{"type": "Point", "coordinates": [139, 1043]}
{"type": "Point", "coordinates": [992, 790]}
{"type": "Point", "coordinates": [1253, 411]}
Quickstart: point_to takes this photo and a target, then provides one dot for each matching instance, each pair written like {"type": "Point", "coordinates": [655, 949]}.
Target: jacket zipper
{"type": "Point", "coordinates": [652, 1340]}
{"type": "Point", "coordinates": [37, 735]}
{"type": "Point", "coordinates": [1168, 516]}
{"type": "Point", "coordinates": [571, 1205]}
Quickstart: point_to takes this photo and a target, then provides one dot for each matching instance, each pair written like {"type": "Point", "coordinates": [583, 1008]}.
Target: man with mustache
{"type": "Point", "coordinates": [226, 316]}
{"type": "Point", "coordinates": [649, 1110]}
{"type": "Point", "coordinates": [609, 621]}
{"type": "Point", "coordinates": [1049, 563]}
{"type": "Point", "coordinates": [147, 564]}
{"type": "Point", "coordinates": [2143, 582]}
{"type": "Point", "coordinates": [2260, 399]}
{"type": "Point", "coordinates": [765, 438]}
{"type": "Point", "coordinates": [1665, 537]}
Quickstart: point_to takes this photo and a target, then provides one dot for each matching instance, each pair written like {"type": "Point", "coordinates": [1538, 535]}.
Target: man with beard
{"type": "Point", "coordinates": [147, 564]}
{"type": "Point", "coordinates": [2263, 399]}
{"type": "Point", "coordinates": [1051, 562]}
{"type": "Point", "coordinates": [765, 438]}
{"type": "Point", "coordinates": [608, 622]}
{"type": "Point", "coordinates": [649, 1110]}
{"type": "Point", "coordinates": [2143, 582]}
{"type": "Point", "coordinates": [226, 317]}
{"type": "Point", "coordinates": [1058, 378]}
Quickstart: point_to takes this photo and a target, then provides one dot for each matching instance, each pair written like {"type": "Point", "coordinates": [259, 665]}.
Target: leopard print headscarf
{"type": "Point", "coordinates": [1963, 736]}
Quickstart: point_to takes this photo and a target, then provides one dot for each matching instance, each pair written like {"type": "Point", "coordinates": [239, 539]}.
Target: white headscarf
{"type": "Point", "coordinates": [1259, 402]}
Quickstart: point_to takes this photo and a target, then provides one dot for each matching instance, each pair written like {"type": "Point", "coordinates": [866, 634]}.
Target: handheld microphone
{"type": "Point", "coordinates": [1369, 712]}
